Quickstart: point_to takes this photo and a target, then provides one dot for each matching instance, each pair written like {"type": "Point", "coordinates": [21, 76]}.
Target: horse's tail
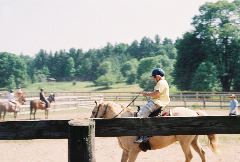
{"type": "Point", "coordinates": [213, 141]}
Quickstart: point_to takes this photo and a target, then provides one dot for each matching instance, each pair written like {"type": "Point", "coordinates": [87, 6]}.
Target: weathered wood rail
{"type": "Point", "coordinates": [81, 133]}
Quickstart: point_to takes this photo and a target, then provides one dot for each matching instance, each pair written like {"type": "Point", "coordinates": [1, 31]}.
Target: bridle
{"type": "Point", "coordinates": [104, 113]}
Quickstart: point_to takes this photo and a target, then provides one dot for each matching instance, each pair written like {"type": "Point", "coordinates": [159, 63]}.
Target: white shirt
{"type": "Point", "coordinates": [11, 97]}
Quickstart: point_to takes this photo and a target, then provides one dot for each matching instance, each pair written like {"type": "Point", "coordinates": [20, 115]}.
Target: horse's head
{"type": "Point", "coordinates": [51, 97]}
{"type": "Point", "coordinates": [21, 99]}
{"type": "Point", "coordinates": [107, 110]}
{"type": "Point", "coordinates": [99, 110]}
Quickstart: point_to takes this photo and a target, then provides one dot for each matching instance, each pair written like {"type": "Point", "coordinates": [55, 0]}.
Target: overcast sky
{"type": "Point", "coordinates": [26, 26]}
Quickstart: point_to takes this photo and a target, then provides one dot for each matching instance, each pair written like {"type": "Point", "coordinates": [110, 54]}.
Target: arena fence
{"type": "Point", "coordinates": [79, 100]}
{"type": "Point", "coordinates": [81, 133]}
{"type": "Point", "coordinates": [182, 99]}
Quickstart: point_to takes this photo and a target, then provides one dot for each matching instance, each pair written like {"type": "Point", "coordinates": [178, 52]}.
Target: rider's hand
{"type": "Point", "coordinates": [145, 93]}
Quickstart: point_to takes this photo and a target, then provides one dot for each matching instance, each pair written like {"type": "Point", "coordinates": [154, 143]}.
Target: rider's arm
{"type": "Point", "coordinates": [152, 94]}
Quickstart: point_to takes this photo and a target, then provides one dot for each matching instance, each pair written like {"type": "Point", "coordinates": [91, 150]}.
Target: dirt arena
{"type": "Point", "coordinates": [107, 149]}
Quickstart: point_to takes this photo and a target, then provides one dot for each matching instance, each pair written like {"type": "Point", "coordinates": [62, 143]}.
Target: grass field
{"type": "Point", "coordinates": [85, 86]}
{"type": "Point", "coordinates": [81, 87]}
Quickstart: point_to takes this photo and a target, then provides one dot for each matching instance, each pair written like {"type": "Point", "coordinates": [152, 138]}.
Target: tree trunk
{"type": "Point", "coordinates": [226, 83]}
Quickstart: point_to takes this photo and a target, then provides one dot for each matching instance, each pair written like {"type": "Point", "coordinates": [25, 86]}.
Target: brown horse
{"type": "Point", "coordinates": [131, 149]}
{"type": "Point", "coordinates": [11, 107]}
{"type": "Point", "coordinates": [38, 104]}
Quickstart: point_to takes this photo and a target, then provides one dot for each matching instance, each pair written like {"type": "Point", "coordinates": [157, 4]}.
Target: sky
{"type": "Point", "coordinates": [26, 26]}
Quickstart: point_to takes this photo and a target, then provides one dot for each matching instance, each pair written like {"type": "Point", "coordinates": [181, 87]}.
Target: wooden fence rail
{"type": "Point", "coordinates": [81, 133]}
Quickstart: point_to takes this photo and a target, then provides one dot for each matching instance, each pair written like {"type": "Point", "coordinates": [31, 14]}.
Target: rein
{"type": "Point", "coordinates": [133, 100]}
{"type": "Point", "coordinates": [127, 106]}
{"type": "Point", "coordinates": [119, 113]}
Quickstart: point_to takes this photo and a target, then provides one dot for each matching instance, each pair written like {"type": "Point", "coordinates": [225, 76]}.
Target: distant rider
{"type": "Point", "coordinates": [233, 107]}
{"type": "Point", "coordinates": [42, 97]}
{"type": "Point", "coordinates": [11, 98]}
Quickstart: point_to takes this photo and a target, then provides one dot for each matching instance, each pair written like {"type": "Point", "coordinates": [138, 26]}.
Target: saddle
{"type": "Point", "coordinates": [43, 104]}
{"type": "Point", "coordinates": [157, 113]}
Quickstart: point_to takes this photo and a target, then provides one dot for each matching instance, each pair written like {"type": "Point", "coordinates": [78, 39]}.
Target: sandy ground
{"type": "Point", "coordinates": [107, 149]}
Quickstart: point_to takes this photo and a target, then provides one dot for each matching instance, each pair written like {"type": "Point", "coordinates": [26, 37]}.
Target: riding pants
{"type": "Point", "coordinates": [147, 109]}
{"type": "Point", "coordinates": [45, 103]}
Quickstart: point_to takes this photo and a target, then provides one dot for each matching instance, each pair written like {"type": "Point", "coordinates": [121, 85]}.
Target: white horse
{"type": "Point", "coordinates": [131, 149]}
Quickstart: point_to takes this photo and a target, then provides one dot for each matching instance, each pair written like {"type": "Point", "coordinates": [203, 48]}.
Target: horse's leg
{"type": "Point", "coordinates": [30, 113]}
{"type": "Point", "coordinates": [133, 155]}
{"type": "Point", "coordinates": [34, 113]}
{"type": "Point", "coordinates": [197, 147]}
{"type": "Point", "coordinates": [124, 156]}
{"type": "Point", "coordinates": [4, 114]}
{"type": "Point", "coordinates": [185, 143]}
{"type": "Point", "coordinates": [46, 113]}
{"type": "Point", "coordinates": [15, 115]}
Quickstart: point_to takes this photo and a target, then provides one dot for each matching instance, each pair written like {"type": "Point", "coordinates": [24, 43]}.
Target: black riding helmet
{"type": "Point", "coordinates": [158, 71]}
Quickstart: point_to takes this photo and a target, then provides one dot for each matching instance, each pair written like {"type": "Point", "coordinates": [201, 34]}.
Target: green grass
{"type": "Point", "coordinates": [81, 87]}
{"type": "Point", "coordinates": [85, 87]}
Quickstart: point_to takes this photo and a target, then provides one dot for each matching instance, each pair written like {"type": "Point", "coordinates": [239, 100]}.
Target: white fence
{"type": "Point", "coordinates": [74, 100]}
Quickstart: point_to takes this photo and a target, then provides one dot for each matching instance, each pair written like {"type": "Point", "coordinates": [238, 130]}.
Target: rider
{"type": "Point", "coordinates": [43, 98]}
{"type": "Point", "coordinates": [159, 97]}
{"type": "Point", "coordinates": [11, 98]}
{"type": "Point", "coordinates": [233, 107]}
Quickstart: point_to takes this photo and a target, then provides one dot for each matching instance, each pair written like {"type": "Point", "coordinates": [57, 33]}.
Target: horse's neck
{"type": "Point", "coordinates": [49, 100]}
{"type": "Point", "coordinates": [127, 113]}
{"type": "Point", "coordinates": [17, 103]}
{"type": "Point", "coordinates": [119, 111]}
{"type": "Point", "coordinates": [19, 100]}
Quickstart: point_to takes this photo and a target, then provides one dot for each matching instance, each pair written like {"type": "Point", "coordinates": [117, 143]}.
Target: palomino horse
{"type": "Point", "coordinates": [11, 107]}
{"type": "Point", "coordinates": [131, 149]}
{"type": "Point", "coordinates": [38, 104]}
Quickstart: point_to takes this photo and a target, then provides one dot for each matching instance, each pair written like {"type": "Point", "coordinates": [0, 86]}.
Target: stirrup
{"type": "Point", "coordinates": [142, 139]}
{"type": "Point", "coordinates": [156, 112]}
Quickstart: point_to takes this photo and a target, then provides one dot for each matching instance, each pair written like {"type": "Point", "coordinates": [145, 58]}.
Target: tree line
{"type": "Point", "coordinates": [105, 67]}
{"type": "Point", "coordinates": [204, 59]}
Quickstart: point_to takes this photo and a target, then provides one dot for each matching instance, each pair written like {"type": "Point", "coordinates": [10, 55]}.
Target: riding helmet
{"type": "Point", "coordinates": [158, 71]}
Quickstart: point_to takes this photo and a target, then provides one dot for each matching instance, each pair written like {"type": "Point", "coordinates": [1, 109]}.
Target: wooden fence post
{"type": "Point", "coordinates": [81, 144]}
{"type": "Point", "coordinates": [221, 105]}
{"type": "Point", "coordinates": [204, 102]}
{"type": "Point", "coordinates": [185, 102]}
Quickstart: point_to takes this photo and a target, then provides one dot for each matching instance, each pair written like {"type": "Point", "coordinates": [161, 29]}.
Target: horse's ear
{"type": "Point", "coordinates": [99, 101]}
